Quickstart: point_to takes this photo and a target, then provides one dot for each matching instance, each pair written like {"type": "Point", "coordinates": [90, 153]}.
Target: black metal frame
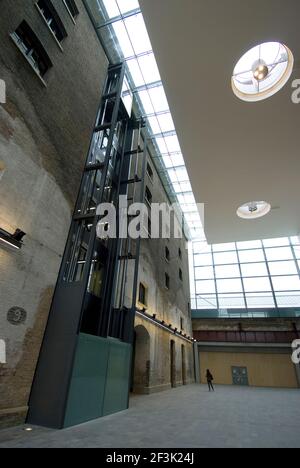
{"type": "Point", "coordinates": [76, 308]}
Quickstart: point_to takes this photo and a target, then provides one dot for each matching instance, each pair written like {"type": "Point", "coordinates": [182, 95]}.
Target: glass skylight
{"type": "Point", "coordinates": [263, 274]}
{"type": "Point", "coordinates": [262, 71]}
{"type": "Point", "coordinates": [124, 23]}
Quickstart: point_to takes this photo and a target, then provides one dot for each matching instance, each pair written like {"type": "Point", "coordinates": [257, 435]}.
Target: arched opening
{"type": "Point", "coordinates": [183, 361]}
{"type": "Point", "coordinates": [173, 364]}
{"type": "Point", "coordinates": [141, 361]}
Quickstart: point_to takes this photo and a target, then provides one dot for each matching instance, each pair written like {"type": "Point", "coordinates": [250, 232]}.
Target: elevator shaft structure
{"type": "Point", "coordinates": [84, 366]}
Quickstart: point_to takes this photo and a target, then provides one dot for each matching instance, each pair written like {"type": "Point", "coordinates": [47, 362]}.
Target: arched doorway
{"type": "Point", "coordinates": [141, 361]}
{"type": "Point", "coordinates": [173, 364]}
{"type": "Point", "coordinates": [183, 363]}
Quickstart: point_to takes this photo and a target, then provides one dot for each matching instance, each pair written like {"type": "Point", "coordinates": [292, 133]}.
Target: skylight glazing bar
{"type": "Point", "coordinates": [124, 24]}
{"type": "Point", "coordinates": [119, 18]}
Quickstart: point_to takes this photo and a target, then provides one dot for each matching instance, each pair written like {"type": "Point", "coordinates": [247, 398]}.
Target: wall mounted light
{"type": "Point", "coordinates": [13, 240]}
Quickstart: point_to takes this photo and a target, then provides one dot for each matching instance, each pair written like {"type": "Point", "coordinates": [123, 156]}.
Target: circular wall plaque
{"type": "Point", "coordinates": [16, 315]}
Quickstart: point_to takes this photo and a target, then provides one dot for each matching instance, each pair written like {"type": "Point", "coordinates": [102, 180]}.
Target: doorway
{"type": "Point", "coordinates": [141, 361]}
{"type": "Point", "coordinates": [183, 361]}
{"type": "Point", "coordinates": [173, 364]}
{"type": "Point", "coordinates": [240, 376]}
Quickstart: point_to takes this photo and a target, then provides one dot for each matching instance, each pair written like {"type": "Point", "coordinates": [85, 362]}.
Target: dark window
{"type": "Point", "coordinates": [143, 294]}
{"type": "Point", "coordinates": [53, 20]}
{"type": "Point", "coordinates": [167, 281]}
{"type": "Point", "coordinates": [72, 8]}
{"type": "Point", "coordinates": [149, 227]}
{"type": "Point", "coordinates": [167, 254]}
{"type": "Point", "coordinates": [181, 324]}
{"type": "Point", "coordinates": [180, 274]}
{"type": "Point", "coordinates": [32, 48]}
{"type": "Point", "coordinates": [148, 195]}
{"type": "Point", "coordinates": [180, 253]}
{"type": "Point", "coordinates": [149, 171]}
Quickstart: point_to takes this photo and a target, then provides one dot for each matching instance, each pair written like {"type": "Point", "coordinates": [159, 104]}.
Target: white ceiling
{"type": "Point", "coordinates": [235, 151]}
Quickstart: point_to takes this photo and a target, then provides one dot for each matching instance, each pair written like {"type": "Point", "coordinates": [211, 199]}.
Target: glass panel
{"type": "Point", "coordinates": [204, 273]}
{"type": "Point", "coordinates": [136, 72]}
{"type": "Point", "coordinates": [225, 258]}
{"type": "Point", "coordinates": [77, 252]}
{"type": "Point", "coordinates": [283, 268]}
{"type": "Point", "coordinates": [201, 247]}
{"type": "Point", "coordinates": [172, 144]}
{"type": "Point", "coordinates": [288, 299]}
{"type": "Point", "coordinates": [249, 245]}
{"type": "Point", "coordinates": [166, 122]}
{"type": "Point", "coordinates": [229, 285]}
{"type": "Point", "coordinates": [276, 242]}
{"type": "Point", "coordinates": [254, 269]}
{"type": "Point", "coordinates": [146, 102]}
{"type": "Point", "coordinates": [286, 283]}
{"type": "Point", "coordinates": [251, 256]}
{"type": "Point", "coordinates": [230, 271]}
{"type": "Point", "coordinates": [138, 34]}
{"type": "Point", "coordinates": [295, 240]}
{"type": "Point", "coordinates": [111, 8]}
{"type": "Point", "coordinates": [260, 300]}
{"type": "Point", "coordinates": [158, 99]}
{"type": "Point", "coordinates": [153, 122]}
{"type": "Point", "coordinates": [123, 38]}
{"type": "Point", "coordinates": [231, 301]}
{"type": "Point", "coordinates": [203, 259]}
{"type": "Point", "coordinates": [127, 5]}
{"type": "Point", "coordinates": [297, 251]}
{"type": "Point", "coordinates": [257, 284]}
{"type": "Point", "coordinates": [205, 287]}
{"type": "Point", "coordinates": [280, 253]}
{"type": "Point", "coordinates": [224, 247]}
{"type": "Point", "coordinates": [148, 65]}
{"type": "Point", "coordinates": [207, 302]}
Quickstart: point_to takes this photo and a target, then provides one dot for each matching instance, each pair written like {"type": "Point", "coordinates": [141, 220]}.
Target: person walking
{"type": "Point", "coordinates": [210, 379]}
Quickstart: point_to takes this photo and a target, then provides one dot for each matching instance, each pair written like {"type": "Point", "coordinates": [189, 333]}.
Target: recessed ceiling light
{"type": "Point", "coordinates": [262, 71]}
{"type": "Point", "coordinates": [254, 210]}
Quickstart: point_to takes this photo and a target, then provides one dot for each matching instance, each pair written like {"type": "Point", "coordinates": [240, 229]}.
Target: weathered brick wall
{"type": "Point", "coordinates": [44, 137]}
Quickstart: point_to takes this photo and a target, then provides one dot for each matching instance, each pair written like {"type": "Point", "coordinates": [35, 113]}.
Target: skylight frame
{"type": "Point", "coordinates": [150, 95]}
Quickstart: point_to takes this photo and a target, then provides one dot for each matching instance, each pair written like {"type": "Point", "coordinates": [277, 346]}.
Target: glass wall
{"type": "Point", "coordinates": [262, 274]}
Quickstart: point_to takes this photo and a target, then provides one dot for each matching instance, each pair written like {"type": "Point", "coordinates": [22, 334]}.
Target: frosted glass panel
{"type": "Point", "coordinates": [283, 268]}
{"type": "Point", "coordinates": [205, 287]}
{"type": "Point", "coordinates": [225, 258]}
{"type": "Point", "coordinates": [229, 285]}
{"type": "Point", "coordinates": [254, 269]}
{"type": "Point", "coordinates": [230, 271]}
{"type": "Point", "coordinates": [280, 253]}
{"type": "Point", "coordinates": [251, 256]}
{"type": "Point", "coordinates": [286, 283]}
{"type": "Point", "coordinates": [257, 284]}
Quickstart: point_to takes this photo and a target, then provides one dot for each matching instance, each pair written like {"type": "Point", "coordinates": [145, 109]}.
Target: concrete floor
{"type": "Point", "coordinates": [184, 417]}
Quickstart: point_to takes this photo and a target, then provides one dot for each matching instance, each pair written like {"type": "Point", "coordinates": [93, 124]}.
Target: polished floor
{"type": "Point", "coordinates": [184, 417]}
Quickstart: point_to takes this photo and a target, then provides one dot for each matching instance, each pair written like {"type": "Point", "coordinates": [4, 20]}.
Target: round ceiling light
{"type": "Point", "coordinates": [254, 210]}
{"type": "Point", "coordinates": [262, 72]}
